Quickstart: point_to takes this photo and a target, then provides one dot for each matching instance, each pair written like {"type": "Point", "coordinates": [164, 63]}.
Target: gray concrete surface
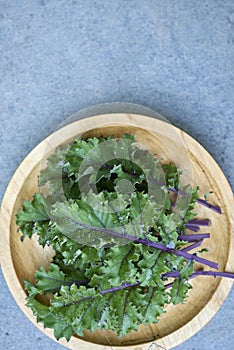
{"type": "Point", "coordinates": [59, 56]}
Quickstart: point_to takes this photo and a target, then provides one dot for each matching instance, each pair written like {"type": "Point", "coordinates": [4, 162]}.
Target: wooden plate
{"type": "Point", "coordinates": [20, 260]}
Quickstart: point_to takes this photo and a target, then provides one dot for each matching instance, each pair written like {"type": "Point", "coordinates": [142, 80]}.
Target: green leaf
{"type": "Point", "coordinates": [33, 212]}
{"type": "Point", "coordinates": [179, 291]}
{"type": "Point", "coordinates": [118, 267]}
{"type": "Point", "coordinates": [44, 315]}
{"type": "Point", "coordinates": [172, 175]}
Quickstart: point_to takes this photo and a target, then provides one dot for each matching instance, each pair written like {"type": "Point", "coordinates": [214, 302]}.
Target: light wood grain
{"type": "Point", "coordinates": [20, 260]}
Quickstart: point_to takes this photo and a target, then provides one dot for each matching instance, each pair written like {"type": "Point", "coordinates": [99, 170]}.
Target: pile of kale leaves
{"type": "Point", "coordinates": [114, 269]}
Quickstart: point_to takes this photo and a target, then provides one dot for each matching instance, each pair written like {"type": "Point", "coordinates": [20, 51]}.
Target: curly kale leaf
{"type": "Point", "coordinates": [33, 212]}
{"type": "Point", "coordinates": [105, 218]}
{"type": "Point", "coordinates": [78, 307]}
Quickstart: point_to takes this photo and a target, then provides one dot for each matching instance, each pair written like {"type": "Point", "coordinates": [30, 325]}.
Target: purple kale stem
{"type": "Point", "coordinates": [195, 237]}
{"type": "Point", "coordinates": [172, 189]}
{"type": "Point", "coordinates": [204, 222]}
{"type": "Point", "coordinates": [178, 252]}
{"type": "Point", "coordinates": [174, 274]}
{"type": "Point", "coordinates": [197, 273]}
{"type": "Point", "coordinates": [212, 273]}
{"type": "Point", "coordinates": [146, 242]}
{"type": "Point", "coordinates": [171, 274]}
{"type": "Point", "coordinates": [199, 200]}
{"type": "Point", "coordinates": [106, 291]}
{"type": "Point", "coordinates": [168, 285]}
{"type": "Point", "coordinates": [194, 228]}
{"type": "Point", "coordinates": [177, 191]}
{"type": "Point", "coordinates": [116, 289]}
{"type": "Point", "coordinates": [192, 246]}
{"type": "Point", "coordinates": [208, 205]}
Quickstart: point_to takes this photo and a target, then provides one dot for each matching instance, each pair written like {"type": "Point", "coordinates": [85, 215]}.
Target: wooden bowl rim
{"type": "Point", "coordinates": [26, 167]}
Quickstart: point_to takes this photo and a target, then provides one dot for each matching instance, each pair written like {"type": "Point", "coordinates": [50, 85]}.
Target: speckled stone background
{"type": "Point", "coordinates": [60, 56]}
